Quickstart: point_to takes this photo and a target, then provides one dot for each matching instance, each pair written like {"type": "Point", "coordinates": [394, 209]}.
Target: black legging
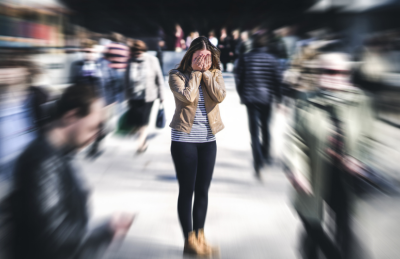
{"type": "Point", "coordinates": [194, 166]}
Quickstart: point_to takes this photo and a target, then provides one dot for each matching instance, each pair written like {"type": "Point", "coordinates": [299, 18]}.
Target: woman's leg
{"type": "Point", "coordinates": [207, 153]}
{"type": "Point", "coordinates": [142, 143]}
{"type": "Point", "coordinates": [185, 160]}
{"type": "Point", "coordinates": [143, 130]}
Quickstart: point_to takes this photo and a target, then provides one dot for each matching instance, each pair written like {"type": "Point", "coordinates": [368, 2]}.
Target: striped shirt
{"type": "Point", "coordinates": [118, 55]}
{"type": "Point", "coordinates": [201, 131]}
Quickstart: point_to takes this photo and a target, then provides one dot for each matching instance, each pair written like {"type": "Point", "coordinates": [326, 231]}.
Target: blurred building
{"type": "Point", "coordinates": [31, 23]}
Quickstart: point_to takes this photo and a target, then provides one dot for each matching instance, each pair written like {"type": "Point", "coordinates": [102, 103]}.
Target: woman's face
{"type": "Point", "coordinates": [200, 52]}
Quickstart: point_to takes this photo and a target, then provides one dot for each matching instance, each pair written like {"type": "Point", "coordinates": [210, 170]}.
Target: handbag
{"type": "Point", "coordinates": [160, 122]}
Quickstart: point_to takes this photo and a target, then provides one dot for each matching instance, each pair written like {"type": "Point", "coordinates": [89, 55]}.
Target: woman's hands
{"type": "Point", "coordinates": [197, 63]}
{"type": "Point", "coordinates": [207, 63]}
{"type": "Point", "coordinates": [202, 63]}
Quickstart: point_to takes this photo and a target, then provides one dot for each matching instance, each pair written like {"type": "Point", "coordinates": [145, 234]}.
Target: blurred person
{"type": "Point", "coordinates": [324, 160]}
{"type": "Point", "coordinates": [179, 38]}
{"type": "Point", "coordinates": [100, 73]}
{"type": "Point", "coordinates": [118, 54]}
{"type": "Point", "coordinates": [193, 35]}
{"type": "Point", "coordinates": [86, 69]}
{"type": "Point", "coordinates": [235, 41]}
{"type": "Point", "coordinates": [18, 125]}
{"type": "Point", "coordinates": [289, 39]}
{"type": "Point", "coordinates": [245, 44]}
{"type": "Point", "coordinates": [212, 38]}
{"type": "Point", "coordinates": [225, 48]}
{"type": "Point", "coordinates": [276, 47]}
{"type": "Point", "coordinates": [258, 80]}
{"type": "Point", "coordinates": [198, 88]}
{"type": "Point", "coordinates": [160, 47]}
{"type": "Point", "coordinates": [48, 202]}
{"type": "Point", "coordinates": [377, 58]}
{"type": "Point", "coordinates": [145, 84]}
{"type": "Point", "coordinates": [39, 101]}
{"type": "Point", "coordinates": [301, 78]}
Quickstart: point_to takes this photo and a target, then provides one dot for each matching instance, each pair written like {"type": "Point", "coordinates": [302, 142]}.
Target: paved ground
{"type": "Point", "coordinates": [248, 219]}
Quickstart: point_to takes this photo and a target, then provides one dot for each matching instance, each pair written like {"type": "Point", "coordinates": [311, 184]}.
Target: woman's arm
{"type": "Point", "coordinates": [215, 85]}
{"type": "Point", "coordinates": [185, 91]}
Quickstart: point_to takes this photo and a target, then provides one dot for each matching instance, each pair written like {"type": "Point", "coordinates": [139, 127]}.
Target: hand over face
{"type": "Point", "coordinates": [201, 60]}
{"type": "Point", "coordinates": [197, 63]}
{"type": "Point", "coordinates": [207, 63]}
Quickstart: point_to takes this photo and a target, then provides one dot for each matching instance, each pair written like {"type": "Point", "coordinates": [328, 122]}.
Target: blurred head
{"type": "Point", "coordinates": [17, 69]}
{"type": "Point", "coordinates": [129, 42]}
{"type": "Point", "coordinates": [79, 114]}
{"type": "Point", "coordinates": [88, 48]}
{"type": "Point", "coordinates": [199, 46]}
{"type": "Point", "coordinates": [211, 34]}
{"type": "Point", "coordinates": [117, 37]}
{"type": "Point", "coordinates": [235, 34]}
{"type": "Point", "coordinates": [283, 32]}
{"type": "Point", "coordinates": [335, 71]}
{"type": "Point", "coordinates": [194, 34]}
{"type": "Point", "coordinates": [11, 76]}
{"type": "Point", "coordinates": [138, 48]}
{"type": "Point", "coordinates": [244, 36]}
{"type": "Point", "coordinates": [260, 40]}
{"type": "Point", "coordinates": [223, 31]}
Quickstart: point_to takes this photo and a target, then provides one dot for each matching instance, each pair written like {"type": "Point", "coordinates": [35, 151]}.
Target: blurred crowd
{"type": "Point", "coordinates": [331, 97]}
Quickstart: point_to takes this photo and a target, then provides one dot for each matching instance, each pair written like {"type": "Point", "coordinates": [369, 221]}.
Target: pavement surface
{"type": "Point", "coordinates": [246, 218]}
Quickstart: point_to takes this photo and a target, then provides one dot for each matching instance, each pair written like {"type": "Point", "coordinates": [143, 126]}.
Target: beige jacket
{"type": "Point", "coordinates": [185, 87]}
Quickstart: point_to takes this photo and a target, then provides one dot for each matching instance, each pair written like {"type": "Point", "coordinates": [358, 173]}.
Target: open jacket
{"type": "Point", "coordinates": [185, 87]}
{"type": "Point", "coordinates": [309, 143]}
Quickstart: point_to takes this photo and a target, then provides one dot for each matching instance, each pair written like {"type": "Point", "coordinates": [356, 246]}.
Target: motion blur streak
{"type": "Point", "coordinates": [307, 164]}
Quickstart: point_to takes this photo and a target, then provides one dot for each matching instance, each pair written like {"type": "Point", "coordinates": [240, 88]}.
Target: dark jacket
{"type": "Point", "coordinates": [258, 77]}
{"type": "Point", "coordinates": [48, 208]}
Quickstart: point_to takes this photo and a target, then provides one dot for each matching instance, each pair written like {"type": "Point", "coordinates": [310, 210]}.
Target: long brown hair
{"type": "Point", "coordinates": [199, 43]}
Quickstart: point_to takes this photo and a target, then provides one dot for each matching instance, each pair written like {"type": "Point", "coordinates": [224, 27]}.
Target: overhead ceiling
{"type": "Point", "coordinates": [132, 17]}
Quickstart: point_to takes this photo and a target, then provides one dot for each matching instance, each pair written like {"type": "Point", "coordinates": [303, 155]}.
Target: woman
{"type": "Point", "coordinates": [144, 85]}
{"type": "Point", "coordinates": [212, 38]}
{"type": "Point", "coordinates": [198, 87]}
{"type": "Point", "coordinates": [225, 47]}
{"type": "Point", "coordinates": [179, 38]}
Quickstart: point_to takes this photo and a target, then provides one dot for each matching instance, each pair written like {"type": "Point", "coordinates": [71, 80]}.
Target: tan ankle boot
{"type": "Point", "coordinates": [192, 247]}
{"type": "Point", "coordinates": [203, 242]}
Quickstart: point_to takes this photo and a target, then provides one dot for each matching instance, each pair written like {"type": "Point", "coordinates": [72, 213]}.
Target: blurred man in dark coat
{"type": "Point", "coordinates": [258, 81]}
